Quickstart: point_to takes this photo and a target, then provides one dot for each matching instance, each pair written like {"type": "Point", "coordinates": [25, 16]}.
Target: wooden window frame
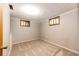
{"type": "Point", "coordinates": [25, 22]}
{"type": "Point", "coordinates": [54, 20]}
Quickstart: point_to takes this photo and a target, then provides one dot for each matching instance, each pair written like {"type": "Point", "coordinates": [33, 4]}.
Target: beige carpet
{"type": "Point", "coordinates": [38, 48]}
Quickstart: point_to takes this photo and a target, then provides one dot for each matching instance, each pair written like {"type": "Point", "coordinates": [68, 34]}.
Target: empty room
{"type": "Point", "coordinates": [39, 29]}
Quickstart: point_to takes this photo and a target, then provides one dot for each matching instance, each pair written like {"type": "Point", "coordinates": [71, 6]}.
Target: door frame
{"type": "Point", "coordinates": [1, 30]}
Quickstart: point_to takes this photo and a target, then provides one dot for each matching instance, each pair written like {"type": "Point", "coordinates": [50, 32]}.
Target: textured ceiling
{"type": "Point", "coordinates": [47, 10]}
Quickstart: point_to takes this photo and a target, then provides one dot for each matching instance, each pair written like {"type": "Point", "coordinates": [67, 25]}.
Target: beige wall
{"type": "Point", "coordinates": [6, 29]}
{"type": "Point", "coordinates": [23, 34]}
{"type": "Point", "coordinates": [65, 34]}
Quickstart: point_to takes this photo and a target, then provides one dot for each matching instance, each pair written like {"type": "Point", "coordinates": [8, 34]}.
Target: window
{"type": "Point", "coordinates": [54, 21]}
{"type": "Point", "coordinates": [24, 23]}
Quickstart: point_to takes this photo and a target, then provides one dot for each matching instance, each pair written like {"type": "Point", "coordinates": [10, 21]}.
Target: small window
{"type": "Point", "coordinates": [54, 21]}
{"type": "Point", "coordinates": [24, 23]}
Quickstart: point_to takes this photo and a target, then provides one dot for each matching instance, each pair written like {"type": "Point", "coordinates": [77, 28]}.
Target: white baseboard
{"type": "Point", "coordinates": [61, 46]}
{"type": "Point", "coordinates": [24, 41]}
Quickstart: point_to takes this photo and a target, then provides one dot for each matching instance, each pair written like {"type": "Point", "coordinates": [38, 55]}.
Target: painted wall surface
{"type": "Point", "coordinates": [65, 34]}
{"type": "Point", "coordinates": [6, 29]}
{"type": "Point", "coordinates": [23, 34]}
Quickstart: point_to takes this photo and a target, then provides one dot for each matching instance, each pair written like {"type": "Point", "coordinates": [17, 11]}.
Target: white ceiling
{"type": "Point", "coordinates": [47, 10]}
